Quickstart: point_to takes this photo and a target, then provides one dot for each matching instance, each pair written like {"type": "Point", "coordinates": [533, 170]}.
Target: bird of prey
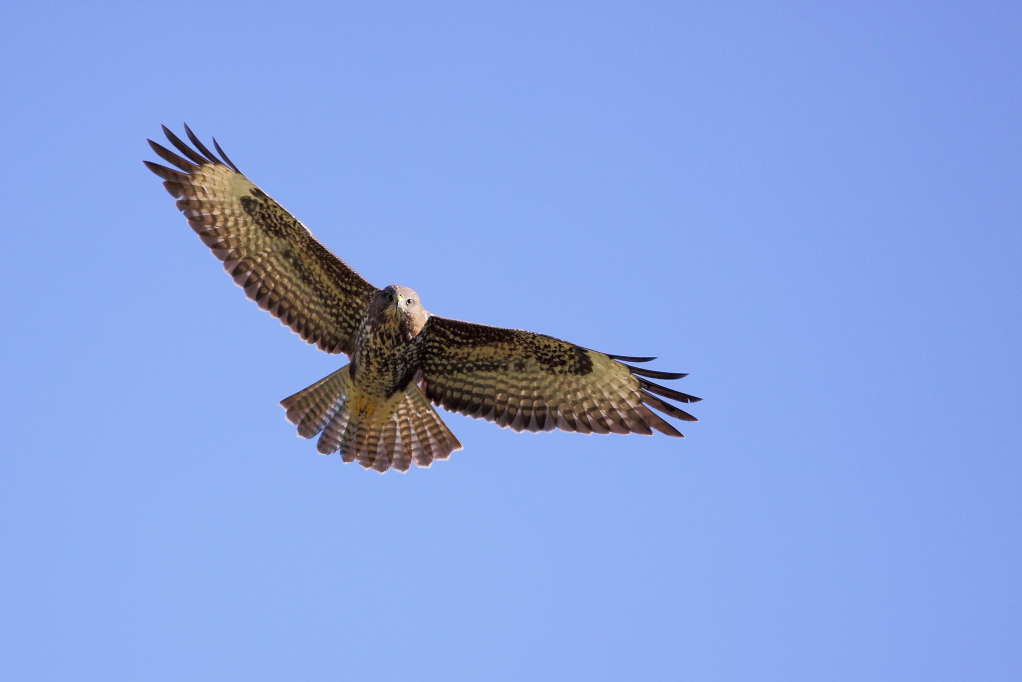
{"type": "Point", "coordinates": [376, 410]}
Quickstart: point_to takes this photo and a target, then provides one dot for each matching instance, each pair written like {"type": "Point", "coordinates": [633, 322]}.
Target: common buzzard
{"type": "Point", "coordinates": [376, 409]}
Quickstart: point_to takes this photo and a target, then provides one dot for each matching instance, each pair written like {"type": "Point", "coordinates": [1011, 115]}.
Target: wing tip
{"type": "Point", "coordinates": [665, 407]}
{"type": "Point", "coordinates": [224, 156]}
{"type": "Point", "coordinates": [201, 147]}
{"type": "Point", "coordinates": [668, 392]}
{"type": "Point", "coordinates": [194, 159]}
{"type": "Point", "coordinates": [629, 358]}
{"type": "Point", "coordinates": [655, 374]}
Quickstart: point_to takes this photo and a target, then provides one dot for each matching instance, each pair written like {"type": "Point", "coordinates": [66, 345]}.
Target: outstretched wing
{"type": "Point", "coordinates": [271, 255]}
{"type": "Point", "coordinates": [537, 383]}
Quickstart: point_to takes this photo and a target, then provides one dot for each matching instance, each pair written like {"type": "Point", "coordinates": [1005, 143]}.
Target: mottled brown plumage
{"type": "Point", "coordinates": [376, 410]}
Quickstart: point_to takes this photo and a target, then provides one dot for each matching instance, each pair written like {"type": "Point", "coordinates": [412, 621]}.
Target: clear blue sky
{"type": "Point", "coordinates": [816, 211]}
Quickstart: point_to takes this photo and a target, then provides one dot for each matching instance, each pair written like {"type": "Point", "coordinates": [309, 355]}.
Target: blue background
{"type": "Point", "coordinates": [815, 211]}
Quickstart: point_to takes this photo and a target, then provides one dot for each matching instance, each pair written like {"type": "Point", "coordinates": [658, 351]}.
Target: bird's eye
{"type": "Point", "coordinates": [390, 296]}
{"type": "Point", "coordinates": [411, 301]}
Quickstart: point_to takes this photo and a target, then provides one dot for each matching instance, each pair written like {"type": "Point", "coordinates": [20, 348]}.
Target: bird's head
{"type": "Point", "coordinates": [402, 305]}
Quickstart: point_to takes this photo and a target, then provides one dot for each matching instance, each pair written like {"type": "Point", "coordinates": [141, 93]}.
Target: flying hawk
{"type": "Point", "coordinates": [376, 409]}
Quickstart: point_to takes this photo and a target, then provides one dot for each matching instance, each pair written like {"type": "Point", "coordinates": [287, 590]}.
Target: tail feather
{"type": "Point", "coordinates": [403, 456]}
{"type": "Point", "coordinates": [313, 408]}
{"type": "Point", "coordinates": [330, 441]}
{"type": "Point", "coordinates": [410, 430]}
{"type": "Point", "coordinates": [403, 430]}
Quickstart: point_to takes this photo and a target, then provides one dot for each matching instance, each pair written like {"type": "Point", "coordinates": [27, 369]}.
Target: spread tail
{"type": "Point", "coordinates": [403, 429]}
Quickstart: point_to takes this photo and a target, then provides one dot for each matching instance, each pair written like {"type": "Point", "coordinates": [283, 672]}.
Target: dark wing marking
{"type": "Point", "coordinates": [537, 383]}
{"type": "Point", "coordinates": [271, 255]}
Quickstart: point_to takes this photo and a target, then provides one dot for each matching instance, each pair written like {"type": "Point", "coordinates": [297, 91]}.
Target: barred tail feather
{"type": "Point", "coordinates": [314, 408]}
{"type": "Point", "coordinates": [404, 430]}
{"type": "Point", "coordinates": [409, 431]}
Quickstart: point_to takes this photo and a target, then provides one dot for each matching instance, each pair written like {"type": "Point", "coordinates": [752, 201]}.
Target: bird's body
{"type": "Point", "coordinates": [377, 410]}
{"type": "Point", "coordinates": [385, 357]}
